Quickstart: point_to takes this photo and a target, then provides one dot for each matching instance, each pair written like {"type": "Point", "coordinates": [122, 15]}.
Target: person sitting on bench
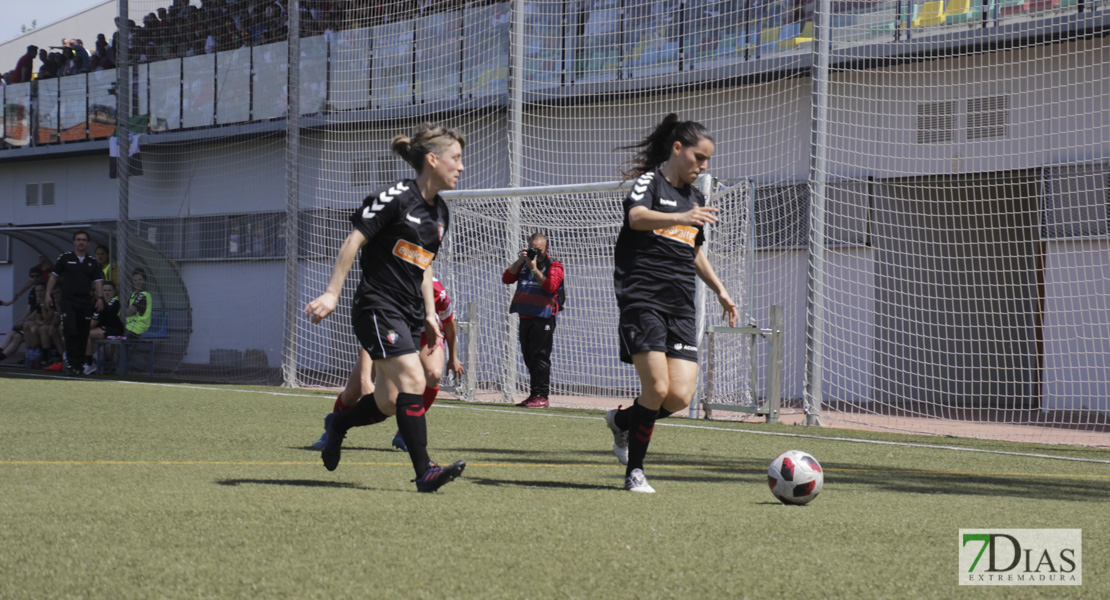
{"type": "Point", "coordinates": [105, 324]}
{"type": "Point", "coordinates": [140, 307]}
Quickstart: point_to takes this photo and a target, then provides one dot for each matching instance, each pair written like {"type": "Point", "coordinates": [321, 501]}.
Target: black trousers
{"type": "Point", "coordinates": [75, 330]}
{"type": "Point", "coordinates": [536, 338]}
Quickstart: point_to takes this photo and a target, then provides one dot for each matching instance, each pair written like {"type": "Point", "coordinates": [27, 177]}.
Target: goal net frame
{"type": "Point", "coordinates": [729, 366]}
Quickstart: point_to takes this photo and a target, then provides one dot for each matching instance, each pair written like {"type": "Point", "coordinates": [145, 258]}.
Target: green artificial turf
{"type": "Point", "coordinates": [131, 490]}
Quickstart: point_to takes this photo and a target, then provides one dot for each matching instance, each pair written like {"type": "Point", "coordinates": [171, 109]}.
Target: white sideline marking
{"type": "Point", "coordinates": [663, 423]}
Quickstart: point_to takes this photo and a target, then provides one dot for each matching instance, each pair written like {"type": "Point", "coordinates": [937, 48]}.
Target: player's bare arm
{"type": "Point", "coordinates": [451, 335]}
{"type": "Point", "coordinates": [431, 322]}
{"type": "Point", "coordinates": [50, 290]}
{"type": "Point", "coordinates": [706, 273]}
{"type": "Point", "coordinates": [324, 305]}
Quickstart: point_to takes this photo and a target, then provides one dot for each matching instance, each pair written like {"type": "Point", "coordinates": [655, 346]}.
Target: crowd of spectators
{"type": "Point", "coordinates": [69, 58]}
{"type": "Point", "coordinates": [183, 29]}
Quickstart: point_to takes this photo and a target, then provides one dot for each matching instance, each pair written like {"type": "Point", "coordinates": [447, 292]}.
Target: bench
{"type": "Point", "coordinates": [145, 341]}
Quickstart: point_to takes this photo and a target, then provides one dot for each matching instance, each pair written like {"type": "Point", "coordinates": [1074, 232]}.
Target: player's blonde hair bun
{"type": "Point", "coordinates": [428, 137]}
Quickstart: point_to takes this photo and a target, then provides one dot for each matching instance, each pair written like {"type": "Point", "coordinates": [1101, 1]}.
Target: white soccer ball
{"type": "Point", "coordinates": [795, 477]}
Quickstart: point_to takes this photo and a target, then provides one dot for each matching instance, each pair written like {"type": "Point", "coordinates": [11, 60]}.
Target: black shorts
{"type": "Point", "coordinates": [645, 330]}
{"type": "Point", "coordinates": [387, 334]}
{"type": "Point", "coordinates": [114, 331]}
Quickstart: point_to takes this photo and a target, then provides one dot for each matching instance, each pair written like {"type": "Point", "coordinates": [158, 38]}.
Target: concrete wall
{"type": "Point", "coordinates": [1059, 112]}
{"type": "Point", "coordinates": [82, 191]}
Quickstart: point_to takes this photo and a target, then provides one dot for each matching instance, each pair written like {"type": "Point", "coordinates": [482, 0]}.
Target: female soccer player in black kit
{"type": "Point", "coordinates": [657, 256]}
{"type": "Point", "coordinates": [399, 230]}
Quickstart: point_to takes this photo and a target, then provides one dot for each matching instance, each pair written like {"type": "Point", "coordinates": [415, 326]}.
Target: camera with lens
{"type": "Point", "coordinates": [532, 252]}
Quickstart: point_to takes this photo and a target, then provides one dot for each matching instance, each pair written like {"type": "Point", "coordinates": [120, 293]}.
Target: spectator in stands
{"type": "Point", "coordinates": [144, 44]}
{"type": "Point", "coordinates": [43, 57]}
{"type": "Point", "coordinates": [105, 324]}
{"type": "Point", "coordinates": [140, 306]}
{"type": "Point", "coordinates": [192, 44]}
{"type": "Point", "coordinates": [104, 53]}
{"type": "Point", "coordinates": [108, 54]}
{"type": "Point", "coordinates": [259, 29]}
{"type": "Point", "coordinates": [231, 36]}
{"type": "Point", "coordinates": [539, 286]}
{"type": "Point", "coordinates": [51, 65]}
{"type": "Point", "coordinates": [105, 264]}
{"type": "Point", "coordinates": [80, 55]}
{"type": "Point", "coordinates": [275, 23]}
{"type": "Point", "coordinates": [58, 63]}
{"type": "Point", "coordinates": [24, 67]}
{"type": "Point", "coordinates": [181, 8]}
{"type": "Point", "coordinates": [69, 63]}
{"type": "Point", "coordinates": [115, 39]}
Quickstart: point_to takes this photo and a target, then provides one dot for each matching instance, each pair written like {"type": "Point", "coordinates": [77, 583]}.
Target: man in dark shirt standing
{"type": "Point", "coordinates": [25, 66]}
{"type": "Point", "coordinates": [78, 273]}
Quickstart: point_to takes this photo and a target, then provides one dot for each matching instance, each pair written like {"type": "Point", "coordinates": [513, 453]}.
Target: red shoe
{"type": "Point", "coordinates": [535, 402]}
{"type": "Point", "coordinates": [526, 401]}
{"type": "Point", "coordinates": [54, 367]}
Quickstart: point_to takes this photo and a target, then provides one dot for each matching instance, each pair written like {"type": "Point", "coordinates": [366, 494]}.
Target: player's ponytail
{"type": "Point", "coordinates": [655, 148]}
{"type": "Point", "coordinates": [428, 137]}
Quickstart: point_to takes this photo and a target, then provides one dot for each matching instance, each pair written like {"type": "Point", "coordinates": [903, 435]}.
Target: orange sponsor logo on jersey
{"type": "Point", "coordinates": [413, 254]}
{"type": "Point", "coordinates": [680, 233]}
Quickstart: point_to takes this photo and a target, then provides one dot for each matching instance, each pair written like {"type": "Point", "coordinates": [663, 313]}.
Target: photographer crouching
{"type": "Point", "coordinates": [539, 297]}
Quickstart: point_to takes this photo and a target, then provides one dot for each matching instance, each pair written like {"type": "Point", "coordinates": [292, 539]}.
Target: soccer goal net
{"type": "Point", "coordinates": [581, 223]}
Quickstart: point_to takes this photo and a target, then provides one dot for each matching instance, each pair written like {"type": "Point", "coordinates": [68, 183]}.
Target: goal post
{"type": "Point", "coordinates": [731, 398]}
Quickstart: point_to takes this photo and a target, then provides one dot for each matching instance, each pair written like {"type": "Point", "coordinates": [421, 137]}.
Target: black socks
{"type": "Point", "coordinates": [365, 412]}
{"type": "Point", "coordinates": [642, 424]}
{"type": "Point", "coordinates": [410, 422]}
{"type": "Point", "coordinates": [623, 418]}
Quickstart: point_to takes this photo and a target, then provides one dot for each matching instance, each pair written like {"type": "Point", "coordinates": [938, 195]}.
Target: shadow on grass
{"type": "Point", "coordinates": [898, 480]}
{"type": "Point", "coordinates": [315, 483]}
{"type": "Point", "coordinates": [910, 481]}
{"type": "Point", "coordinates": [567, 485]}
{"type": "Point", "coordinates": [699, 468]}
{"type": "Point", "coordinates": [538, 457]}
{"type": "Point", "coordinates": [696, 468]}
{"type": "Point", "coordinates": [386, 450]}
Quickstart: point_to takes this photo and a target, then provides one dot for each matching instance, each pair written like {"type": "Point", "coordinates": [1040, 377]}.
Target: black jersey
{"type": "Point", "coordinates": [655, 269]}
{"type": "Point", "coordinates": [109, 317]}
{"type": "Point", "coordinates": [404, 233]}
{"type": "Point", "coordinates": [77, 276]}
